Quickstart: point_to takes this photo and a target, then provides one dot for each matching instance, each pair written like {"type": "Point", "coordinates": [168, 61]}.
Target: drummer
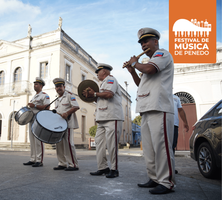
{"type": "Point", "coordinates": [66, 105]}
{"type": "Point", "coordinates": [38, 102]}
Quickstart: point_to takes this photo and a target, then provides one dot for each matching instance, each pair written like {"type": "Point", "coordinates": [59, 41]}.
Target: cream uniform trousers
{"type": "Point", "coordinates": [65, 150]}
{"type": "Point", "coordinates": [36, 146]}
{"type": "Point", "coordinates": [157, 138]}
{"type": "Point", "coordinates": [107, 135]}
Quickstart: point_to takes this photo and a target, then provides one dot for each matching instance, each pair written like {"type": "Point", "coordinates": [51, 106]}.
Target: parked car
{"type": "Point", "coordinates": [205, 141]}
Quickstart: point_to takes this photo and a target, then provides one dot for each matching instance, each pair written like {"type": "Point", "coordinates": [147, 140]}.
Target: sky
{"type": "Point", "coordinates": [105, 29]}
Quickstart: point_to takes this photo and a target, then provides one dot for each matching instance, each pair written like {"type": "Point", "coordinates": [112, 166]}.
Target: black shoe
{"type": "Point", "coordinates": [29, 163]}
{"type": "Point", "coordinates": [160, 189]}
{"type": "Point", "coordinates": [176, 172]}
{"type": "Point", "coordinates": [149, 184]}
{"type": "Point", "coordinates": [59, 168]}
{"type": "Point", "coordinates": [38, 164]}
{"type": "Point", "coordinates": [71, 168]}
{"type": "Point", "coordinates": [101, 172]}
{"type": "Point", "coordinates": [112, 174]}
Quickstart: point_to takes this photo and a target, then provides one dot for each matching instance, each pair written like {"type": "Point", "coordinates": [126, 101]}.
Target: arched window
{"type": "Point", "coordinates": [2, 78]}
{"type": "Point", "coordinates": [13, 132]}
{"type": "Point", "coordinates": [18, 74]}
{"type": "Point", "coordinates": [185, 97]}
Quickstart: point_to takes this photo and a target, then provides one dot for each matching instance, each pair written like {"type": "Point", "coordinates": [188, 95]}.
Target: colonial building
{"type": "Point", "coordinates": [199, 83]}
{"type": "Point", "coordinates": [49, 55]}
{"type": "Point", "coordinates": [199, 87]}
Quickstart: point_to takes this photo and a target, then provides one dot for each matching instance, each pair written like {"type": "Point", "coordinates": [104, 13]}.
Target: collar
{"type": "Point", "coordinates": [64, 95]}
{"type": "Point", "coordinates": [36, 95]}
{"type": "Point", "coordinates": [104, 80]}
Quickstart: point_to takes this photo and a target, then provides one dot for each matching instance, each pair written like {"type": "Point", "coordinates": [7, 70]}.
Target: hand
{"type": "Point", "coordinates": [186, 127]}
{"type": "Point", "coordinates": [64, 115]}
{"type": "Point", "coordinates": [133, 59]}
{"type": "Point", "coordinates": [130, 69]}
{"type": "Point", "coordinates": [31, 105]}
{"type": "Point", "coordinates": [88, 92]}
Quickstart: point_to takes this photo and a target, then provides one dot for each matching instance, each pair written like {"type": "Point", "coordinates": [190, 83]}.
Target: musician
{"type": "Point", "coordinates": [38, 102]}
{"type": "Point", "coordinates": [155, 105]}
{"type": "Point", "coordinates": [109, 116]}
{"type": "Point", "coordinates": [66, 105]}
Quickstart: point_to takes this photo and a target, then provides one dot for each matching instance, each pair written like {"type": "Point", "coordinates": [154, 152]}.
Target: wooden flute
{"type": "Point", "coordinates": [137, 57]}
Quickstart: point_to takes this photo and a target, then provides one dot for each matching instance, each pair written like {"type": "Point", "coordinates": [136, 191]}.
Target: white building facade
{"type": "Point", "coordinates": [199, 83]}
{"type": "Point", "coordinates": [49, 55]}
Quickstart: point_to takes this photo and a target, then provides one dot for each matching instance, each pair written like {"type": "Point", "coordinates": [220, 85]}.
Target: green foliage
{"type": "Point", "coordinates": [92, 131]}
{"type": "Point", "coordinates": [137, 120]}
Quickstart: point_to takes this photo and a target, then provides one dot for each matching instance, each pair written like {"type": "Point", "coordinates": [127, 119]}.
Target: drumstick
{"type": "Point", "coordinates": [51, 102]}
{"type": "Point", "coordinates": [137, 57]}
{"type": "Point", "coordinates": [59, 114]}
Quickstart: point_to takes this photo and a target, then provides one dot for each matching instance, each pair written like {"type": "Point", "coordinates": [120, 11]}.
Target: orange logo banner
{"type": "Point", "coordinates": [192, 31]}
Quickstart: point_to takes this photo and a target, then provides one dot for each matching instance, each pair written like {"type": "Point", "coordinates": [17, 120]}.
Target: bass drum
{"type": "Point", "coordinates": [24, 116]}
{"type": "Point", "coordinates": [49, 127]}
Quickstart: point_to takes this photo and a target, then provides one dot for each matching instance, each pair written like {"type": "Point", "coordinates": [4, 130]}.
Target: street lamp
{"type": "Point", "coordinates": [127, 121]}
{"type": "Point", "coordinates": [13, 117]}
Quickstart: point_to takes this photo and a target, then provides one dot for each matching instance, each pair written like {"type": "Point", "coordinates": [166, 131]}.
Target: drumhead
{"type": "Point", "coordinates": [51, 121]}
{"type": "Point", "coordinates": [24, 116]}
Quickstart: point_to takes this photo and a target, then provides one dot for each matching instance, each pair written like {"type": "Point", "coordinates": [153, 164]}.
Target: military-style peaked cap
{"type": "Point", "coordinates": [58, 81]}
{"type": "Point", "coordinates": [148, 32]}
{"type": "Point", "coordinates": [39, 80]}
{"type": "Point", "coordinates": [103, 66]}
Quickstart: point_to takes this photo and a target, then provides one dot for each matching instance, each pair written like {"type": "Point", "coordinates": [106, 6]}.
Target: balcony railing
{"type": "Point", "coordinates": [15, 88]}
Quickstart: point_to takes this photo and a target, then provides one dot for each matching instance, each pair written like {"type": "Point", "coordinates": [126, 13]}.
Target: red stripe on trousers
{"type": "Point", "coordinates": [42, 152]}
{"type": "Point", "coordinates": [116, 144]}
{"type": "Point", "coordinates": [167, 150]}
{"type": "Point", "coordinates": [70, 148]}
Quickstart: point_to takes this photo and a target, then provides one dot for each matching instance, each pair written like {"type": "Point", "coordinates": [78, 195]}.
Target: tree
{"type": "Point", "coordinates": [92, 131]}
{"type": "Point", "coordinates": [137, 120]}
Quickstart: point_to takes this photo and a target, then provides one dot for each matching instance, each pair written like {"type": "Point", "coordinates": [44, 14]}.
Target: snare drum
{"type": "Point", "coordinates": [49, 127]}
{"type": "Point", "coordinates": [24, 116]}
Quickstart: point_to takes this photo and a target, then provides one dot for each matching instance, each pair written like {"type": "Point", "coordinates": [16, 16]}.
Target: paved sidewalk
{"type": "Point", "coordinates": [25, 182]}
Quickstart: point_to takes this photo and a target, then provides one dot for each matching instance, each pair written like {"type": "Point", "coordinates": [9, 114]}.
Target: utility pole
{"type": "Point", "coordinates": [127, 111]}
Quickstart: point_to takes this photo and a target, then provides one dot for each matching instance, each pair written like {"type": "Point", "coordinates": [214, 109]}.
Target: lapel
{"type": "Point", "coordinates": [63, 96]}
{"type": "Point", "coordinates": [36, 96]}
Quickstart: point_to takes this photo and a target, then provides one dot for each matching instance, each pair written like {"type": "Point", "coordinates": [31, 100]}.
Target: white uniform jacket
{"type": "Point", "coordinates": [64, 104]}
{"type": "Point", "coordinates": [40, 99]}
{"type": "Point", "coordinates": [110, 109]}
{"type": "Point", "coordinates": [155, 91]}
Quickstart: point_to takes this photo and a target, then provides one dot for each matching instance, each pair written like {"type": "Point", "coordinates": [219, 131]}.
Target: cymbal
{"type": "Point", "coordinates": [85, 84]}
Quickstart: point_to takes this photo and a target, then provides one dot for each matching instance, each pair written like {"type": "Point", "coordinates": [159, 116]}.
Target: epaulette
{"type": "Point", "coordinates": [43, 93]}
{"type": "Point", "coordinates": [70, 92]}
